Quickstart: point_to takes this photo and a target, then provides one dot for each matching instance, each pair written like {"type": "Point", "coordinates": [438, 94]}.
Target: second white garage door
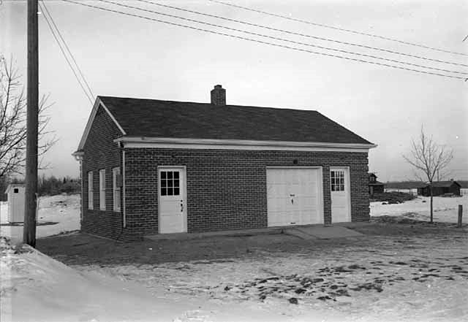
{"type": "Point", "coordinates": [294, 196]}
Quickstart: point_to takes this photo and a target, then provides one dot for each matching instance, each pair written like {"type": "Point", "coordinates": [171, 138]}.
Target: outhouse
{"type": "Point", "coordinates": [15, 193]}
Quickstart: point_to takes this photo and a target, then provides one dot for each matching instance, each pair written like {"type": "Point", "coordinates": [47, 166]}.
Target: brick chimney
{"type": "Point", "coordinates": [218, 96]}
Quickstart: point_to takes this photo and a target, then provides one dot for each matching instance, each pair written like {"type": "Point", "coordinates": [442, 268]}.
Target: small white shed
{"type": "Point", "coordinates": [15, 193]}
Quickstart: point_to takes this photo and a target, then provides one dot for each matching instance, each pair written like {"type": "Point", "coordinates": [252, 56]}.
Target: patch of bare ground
{"type": "Point", "coordinates": [83, 249]}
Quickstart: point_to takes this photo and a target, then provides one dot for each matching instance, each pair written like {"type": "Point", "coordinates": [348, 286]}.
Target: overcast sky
{"type": "Point", "coordinates": [133, 57]}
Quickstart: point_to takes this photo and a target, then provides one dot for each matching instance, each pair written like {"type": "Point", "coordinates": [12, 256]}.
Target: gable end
{"type": "Point", "coordinates": [96, 106]}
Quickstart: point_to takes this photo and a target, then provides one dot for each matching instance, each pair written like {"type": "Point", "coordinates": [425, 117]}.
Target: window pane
{"type": "Point", "coordinates": [163, 191]}
{"type": "Point", "coordinates": [169, 183]}
{"type": "Point", "coordinates": [169, 174]}
{"type": "Point", "coordinates": [176, 183]}
{"type": "Point", "coordinates": [176, 175]}
{"type": "Point", "coordinates": [176, 191]}
{"type": "Point", "coordinates": [163, 175]}
{"type": "Point", "coordinates": [170, 191]}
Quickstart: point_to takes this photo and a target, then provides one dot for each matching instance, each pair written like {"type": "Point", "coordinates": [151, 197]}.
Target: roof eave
{"type": "Point", "coordinates": [148, 141]}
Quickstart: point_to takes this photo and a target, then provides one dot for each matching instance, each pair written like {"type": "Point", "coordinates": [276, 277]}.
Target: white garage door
{"type": "Point", "coordinates": [294, 196]}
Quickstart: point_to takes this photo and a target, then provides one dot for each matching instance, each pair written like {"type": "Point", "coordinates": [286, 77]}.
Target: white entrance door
{"type": "Point", "coordinates": [340, 197]}
{"type": "Point", "coordinates": [294, 196]}
{"type": "Point", "coordinates": [172, 201]}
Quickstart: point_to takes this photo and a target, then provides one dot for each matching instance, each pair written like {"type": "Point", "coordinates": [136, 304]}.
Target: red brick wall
{"type": "Point", "coordinates": [227, 188]}
{"type": "Point", "coordinates": [100, 152]}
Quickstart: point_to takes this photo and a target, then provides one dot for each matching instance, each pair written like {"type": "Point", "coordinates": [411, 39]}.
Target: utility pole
{"type": "Point", "coordinates": [29, 232]}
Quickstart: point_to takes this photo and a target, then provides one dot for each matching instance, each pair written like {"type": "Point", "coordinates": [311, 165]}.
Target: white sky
{"type": "Point", "coordinates": [131, 57]}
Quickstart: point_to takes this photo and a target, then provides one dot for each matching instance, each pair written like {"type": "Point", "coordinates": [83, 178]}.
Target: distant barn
{"type": "Point", "coordinates": [440, 188]}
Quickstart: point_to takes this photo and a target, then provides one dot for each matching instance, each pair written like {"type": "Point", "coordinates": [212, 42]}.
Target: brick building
{"type": "Point", "coordinates": [154, 167]}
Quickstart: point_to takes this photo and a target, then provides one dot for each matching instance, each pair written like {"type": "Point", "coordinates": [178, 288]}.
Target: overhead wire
{"type": "Point", "coordinates": [262, 42]}
{"type": "Point", "coordinates": [302, 34]}
{"type": "Point", "coordinates": [283, 39]}
{"type": "Point", "coordinates": [68, 49]}
{"type": "Point", "coordinates": [338, 28]}
{"type": "Point", "coordinates": [64, 54]}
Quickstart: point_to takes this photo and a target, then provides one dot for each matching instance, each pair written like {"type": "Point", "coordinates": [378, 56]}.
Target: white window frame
{"type": "Point", "coordinates": [90, 190]}
{"type": "Point", "coordinates": [116, 190]}
{"type": "Point", "coordinates": [102, 189]}
{"type": "Point", "coordinates": [337, 180]}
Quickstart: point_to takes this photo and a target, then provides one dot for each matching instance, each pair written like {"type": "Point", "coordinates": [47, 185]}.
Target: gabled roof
{"type": "Point", "coordinates": [150, 118]}
{"type": "Point", "coordinates": [444, 184]}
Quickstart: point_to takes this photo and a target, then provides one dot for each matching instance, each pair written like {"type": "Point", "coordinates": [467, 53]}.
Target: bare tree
{"type": "Point", "coordinates": [429, 159]}
{"type": "Point", "coordinates": [13, 122]}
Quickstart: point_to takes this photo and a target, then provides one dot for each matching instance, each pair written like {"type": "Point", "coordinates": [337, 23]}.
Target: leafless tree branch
{"type": "Point", "coordinates": [13, 122]}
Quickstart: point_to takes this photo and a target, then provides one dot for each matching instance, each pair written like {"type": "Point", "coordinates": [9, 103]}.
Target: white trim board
{"type": "Point", "coordinates": [212, 144]}
{"type": "Point", "coordinates": [90, 122]}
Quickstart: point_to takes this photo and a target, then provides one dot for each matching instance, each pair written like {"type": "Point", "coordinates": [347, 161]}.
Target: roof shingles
{"type": "Point", "coordinates": [170, 119]}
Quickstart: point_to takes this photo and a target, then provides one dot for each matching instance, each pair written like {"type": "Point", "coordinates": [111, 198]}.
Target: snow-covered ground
{"type": "Point", "coordinates": [57, 214]}
{"type": "Point", "coordinates": [388, 283]}
{"type": "Point", "coordinates": [402, 278]}
{"type": "Point", "coordinates": [35, 287]}
{"type": "Point", "coordinates": [415, 281]}
{"type": "Point", "coordinates": [445, 209]}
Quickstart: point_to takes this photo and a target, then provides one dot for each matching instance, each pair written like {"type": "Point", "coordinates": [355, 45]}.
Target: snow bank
{"type": "Point", "coordinates": [57, 214]}
{"type": "Point", "coordinates": [35, 287]}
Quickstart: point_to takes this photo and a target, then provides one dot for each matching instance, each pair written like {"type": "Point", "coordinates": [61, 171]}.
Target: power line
{"type": "Point", "coordinates": [283, 39]}
{"type": "Point", "coordinates": [68, 49]}
{"type": "Point", "coordinates": [340, 29]}
{"type": "Point", "coordinates": [301, 34]}
{"type": "Point", "coordinates": [263, 42]}
{"type": "Point", "coordinates": [65, 56]}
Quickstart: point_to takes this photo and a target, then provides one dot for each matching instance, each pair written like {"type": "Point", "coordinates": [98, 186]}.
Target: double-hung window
{"type": "Point", "coordinates": [102, 189]}
{"type": "Point", "coordinates": [90, 190]}
{"type": "Point", "coordinates": [116, 184]}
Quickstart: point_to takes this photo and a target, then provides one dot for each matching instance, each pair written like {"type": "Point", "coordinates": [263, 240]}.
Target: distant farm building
{"type": "Point", "coordinates": [440, 188]}
{"type": "Point", "coordinates": [374, 185]}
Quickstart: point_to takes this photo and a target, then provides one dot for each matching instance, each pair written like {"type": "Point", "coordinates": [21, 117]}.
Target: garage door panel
{"type": "Point", "coordinates": [293, 196]}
